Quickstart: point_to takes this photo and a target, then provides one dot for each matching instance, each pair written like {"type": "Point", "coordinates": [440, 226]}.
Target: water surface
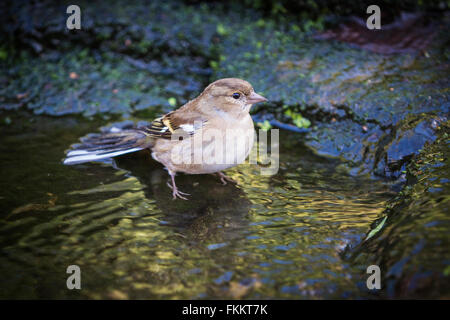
{"type": "Point", "coordinates": [268, 237]}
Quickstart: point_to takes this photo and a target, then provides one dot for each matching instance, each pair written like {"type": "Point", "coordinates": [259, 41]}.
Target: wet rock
{"type": "Point", "coordinates": [401, 142]}
{"type": "Point", "coordinates": [410, 32]}
{"type": "Point", "coordinates": [82, 82]}
{"type": "Point", "coordinates": [357, 100]}
{"type": "Point", "coordinates": [121, 61]}
{"type": "Point", "coordinates": [410, 241]}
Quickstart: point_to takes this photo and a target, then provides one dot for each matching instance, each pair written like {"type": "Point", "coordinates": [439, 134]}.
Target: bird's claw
{"type": "Point", "coordinates": [177, 193]}
{"type": "Point", "coordinates": [224, 178]}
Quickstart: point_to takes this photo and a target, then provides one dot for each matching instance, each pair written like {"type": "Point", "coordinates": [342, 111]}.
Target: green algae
{"type": "Point", "coordinates": [88, 85]}
{"type": "Point", "coordinates": [121, 61]}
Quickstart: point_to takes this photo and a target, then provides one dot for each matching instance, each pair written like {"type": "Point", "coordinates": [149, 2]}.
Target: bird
{"type": "Point", "coordinates": [207, 135]}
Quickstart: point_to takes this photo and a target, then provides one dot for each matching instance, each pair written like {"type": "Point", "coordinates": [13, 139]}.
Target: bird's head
{"type": "Point", "coordinates": [232, 95]}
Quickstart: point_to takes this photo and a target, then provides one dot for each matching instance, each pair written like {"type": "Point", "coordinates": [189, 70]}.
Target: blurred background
{"type": "Point", "coordinates": [363, 179]}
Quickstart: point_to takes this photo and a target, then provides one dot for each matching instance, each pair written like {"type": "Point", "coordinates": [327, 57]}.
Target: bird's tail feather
{"type": "Point", "coordinates": [99, 146]}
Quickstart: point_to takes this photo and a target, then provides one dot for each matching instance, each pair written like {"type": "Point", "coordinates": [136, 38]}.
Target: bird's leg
{"type": "Point", "coordinates": [175, 192]}
{"type": "Point", "coordinates": [224, 178]}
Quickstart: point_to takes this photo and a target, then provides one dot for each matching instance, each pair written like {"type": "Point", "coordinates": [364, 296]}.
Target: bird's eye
{"type": "Point", "coordinates": [236, 95]}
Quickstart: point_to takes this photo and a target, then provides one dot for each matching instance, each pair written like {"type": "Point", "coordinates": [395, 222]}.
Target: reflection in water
{"type": "Point", "coordinates": [268, 237]}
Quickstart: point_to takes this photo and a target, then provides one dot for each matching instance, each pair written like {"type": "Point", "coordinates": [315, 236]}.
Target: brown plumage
{"type": "Point", "coordinates": [220, 113]}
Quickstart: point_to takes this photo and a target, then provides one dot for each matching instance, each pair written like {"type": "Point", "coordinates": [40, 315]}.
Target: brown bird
{"type": "Point", "coordinates": [209, 134]}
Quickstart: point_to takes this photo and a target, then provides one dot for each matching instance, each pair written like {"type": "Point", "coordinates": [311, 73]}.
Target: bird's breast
{"type": "Point", "coordinates": [219, 145]}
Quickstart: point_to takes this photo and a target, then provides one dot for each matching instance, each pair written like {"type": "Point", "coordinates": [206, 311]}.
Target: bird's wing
{"type": "Point", "coordinates": [180, 123]}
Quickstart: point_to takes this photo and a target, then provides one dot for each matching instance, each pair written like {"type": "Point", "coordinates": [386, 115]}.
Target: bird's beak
{"type": "Point", "coordinates": [255, 98]}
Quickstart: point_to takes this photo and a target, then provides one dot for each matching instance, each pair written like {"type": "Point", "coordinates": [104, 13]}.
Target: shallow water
{"type": "Point", "coordinates": [268, 237]}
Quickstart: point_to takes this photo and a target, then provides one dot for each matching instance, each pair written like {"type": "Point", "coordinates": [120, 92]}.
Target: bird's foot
{"type": "Point", "coordinates": [224, 178]}
{"type": "Point", "coordinates": [177, 193]}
